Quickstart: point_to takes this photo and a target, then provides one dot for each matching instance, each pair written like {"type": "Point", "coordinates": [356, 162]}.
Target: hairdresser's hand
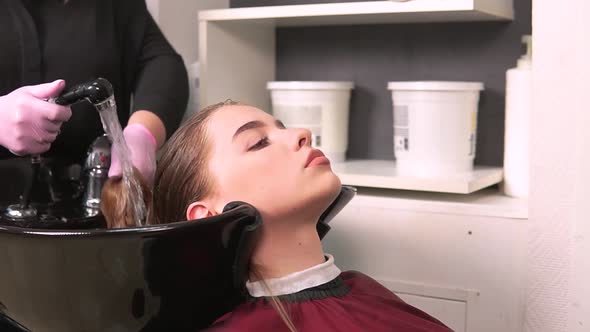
{"type": "Point", "coordinates": [142, 146]}
{"type": "Point", "coordinates": [28, 123]}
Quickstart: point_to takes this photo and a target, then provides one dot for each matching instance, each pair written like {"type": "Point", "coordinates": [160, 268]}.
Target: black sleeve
{"type": "Point", "coordinates": [161, 82]}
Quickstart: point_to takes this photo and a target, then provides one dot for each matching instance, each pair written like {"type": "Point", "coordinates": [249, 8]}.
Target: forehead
{"type": "Point", "coordinates": [231, 117]}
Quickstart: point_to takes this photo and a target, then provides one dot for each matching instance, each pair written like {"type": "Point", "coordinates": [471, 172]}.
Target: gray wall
{"type": "Point", "coordinates": [372, 55]}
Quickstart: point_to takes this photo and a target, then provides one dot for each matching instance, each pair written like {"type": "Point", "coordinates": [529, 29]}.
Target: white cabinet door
{"type": "Point", "coordinates": [452, 313]}
{"type": "Point", "coordinates": [478, 260]}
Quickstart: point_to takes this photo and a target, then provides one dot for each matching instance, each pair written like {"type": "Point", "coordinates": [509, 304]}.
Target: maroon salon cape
{"type": "Point", "coordinates": [352, 302]}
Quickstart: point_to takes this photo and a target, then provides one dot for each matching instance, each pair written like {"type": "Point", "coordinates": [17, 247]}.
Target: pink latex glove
{"type": "Point", "coordinates": [28, 123]}
{"type": "Point", "coordinates": [142, 145]}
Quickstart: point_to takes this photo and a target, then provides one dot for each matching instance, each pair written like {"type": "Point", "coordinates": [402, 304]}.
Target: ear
{"type": "Point", "coordinates": [199, 210]}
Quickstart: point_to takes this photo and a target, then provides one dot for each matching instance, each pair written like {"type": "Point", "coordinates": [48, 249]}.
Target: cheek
{"type": "Point", "coordinates": [256, 179]}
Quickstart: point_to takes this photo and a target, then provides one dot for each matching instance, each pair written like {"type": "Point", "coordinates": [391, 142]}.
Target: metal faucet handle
{"type": "Point", "coordinates": [99, 154]}
{"type": "Point", "coordinates": [96, 168]}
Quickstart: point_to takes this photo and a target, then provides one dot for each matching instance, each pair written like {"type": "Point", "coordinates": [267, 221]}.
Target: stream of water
{"type": "Point", "coordinates": [134, 194]}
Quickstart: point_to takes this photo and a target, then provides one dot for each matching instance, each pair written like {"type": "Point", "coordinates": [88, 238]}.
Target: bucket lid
{"type": "Point", "coordinates": [310, 85]}
{"type": "Point", "coordinates": [435, 86]}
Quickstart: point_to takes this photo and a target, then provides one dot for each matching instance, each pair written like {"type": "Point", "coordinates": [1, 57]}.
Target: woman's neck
{"type": "Point", "coordinates": [283, 249]}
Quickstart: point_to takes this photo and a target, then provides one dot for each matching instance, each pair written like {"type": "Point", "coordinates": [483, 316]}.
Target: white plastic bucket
{"type": "Point", "coordinates": [321, 107]}
{"type": "Point", "coordinates": [435, 126]}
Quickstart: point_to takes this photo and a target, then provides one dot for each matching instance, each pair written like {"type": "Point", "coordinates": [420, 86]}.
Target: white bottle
{"type": "Point", "coordinates": [518, 118]}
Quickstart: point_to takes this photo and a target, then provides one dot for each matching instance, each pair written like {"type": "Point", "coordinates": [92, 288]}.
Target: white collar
{"type": "Point", "coordinates": [297, 281]}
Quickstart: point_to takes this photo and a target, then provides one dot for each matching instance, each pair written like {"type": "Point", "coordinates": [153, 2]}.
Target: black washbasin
{"type": "Point", "coordinates": [174, 277]}
{"type": "Point", "coordinates": [14, 174]}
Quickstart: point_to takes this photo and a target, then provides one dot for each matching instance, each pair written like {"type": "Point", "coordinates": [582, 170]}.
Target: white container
{"type": "Point", "coordinates": [321, 107]}
{"type": "Point", "coordinates": [435, 126]}
{"type": "Point", "coordinates": [517, 133]}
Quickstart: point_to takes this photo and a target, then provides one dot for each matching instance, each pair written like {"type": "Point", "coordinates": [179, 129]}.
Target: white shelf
{"type": "Point", "coordinates": [489, 202]}
{"type": "Point", "coordinates": [368, 12]}
{"type": "Point", "coordinates": [383, 174]}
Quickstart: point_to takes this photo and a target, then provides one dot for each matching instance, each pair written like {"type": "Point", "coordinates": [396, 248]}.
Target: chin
{"type": "Point", "coordinates": [326, 191]}
{"type": "Point", "coordinates": [311, 200]}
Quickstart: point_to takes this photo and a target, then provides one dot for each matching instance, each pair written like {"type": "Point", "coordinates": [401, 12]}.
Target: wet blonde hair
{"type": "Point", "coordinates": [117, 211]}
{"type": "Point", "coordinates": [182, 175]}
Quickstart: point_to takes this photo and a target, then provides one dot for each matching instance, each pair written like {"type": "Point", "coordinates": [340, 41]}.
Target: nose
{"type": "Point", "coordinates": [302, 137]}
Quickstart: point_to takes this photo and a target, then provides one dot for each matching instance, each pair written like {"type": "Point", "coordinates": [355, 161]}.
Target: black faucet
{"type": "Point", "coordinates": [97, 92]}
{"type": "Point", "coordinates": [100, 94]}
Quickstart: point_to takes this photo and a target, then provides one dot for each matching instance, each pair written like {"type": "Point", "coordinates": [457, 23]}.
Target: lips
{"type": "Point", "coordinates": [316, 157]}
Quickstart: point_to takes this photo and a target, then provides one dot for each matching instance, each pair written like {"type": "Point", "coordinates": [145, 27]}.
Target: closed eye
{"type": "Point", "coordinates": [262, 143]}
{"type": "Point", "coordinates": [280, 124]}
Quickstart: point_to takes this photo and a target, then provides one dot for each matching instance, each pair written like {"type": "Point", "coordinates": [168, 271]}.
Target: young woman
{"type": "Point", "coordinates": [235, 152]}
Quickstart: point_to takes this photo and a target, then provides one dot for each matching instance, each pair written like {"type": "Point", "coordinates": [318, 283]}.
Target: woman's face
{"type": "Point", "coordinates": [257, 160]}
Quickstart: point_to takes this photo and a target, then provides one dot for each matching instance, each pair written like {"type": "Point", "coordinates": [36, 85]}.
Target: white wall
{"type": "Point", "coordinates": [558, 297]}
{"type": "Point", "coordinates": [153, 7]}
{"type": "Point", "coordinates": [178, 21]}
{"type": "Point", "coordinates": [579, 317]}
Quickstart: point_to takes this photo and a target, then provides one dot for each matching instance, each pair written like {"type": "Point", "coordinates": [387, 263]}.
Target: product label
{"type": "Point", "coordinates": [401, 129]}
{"type": "Point", "coordinates": [302, 116]}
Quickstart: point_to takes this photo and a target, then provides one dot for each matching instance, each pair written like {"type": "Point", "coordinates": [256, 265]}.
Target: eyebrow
{"type": "Point", "coordinates": [254, 125]}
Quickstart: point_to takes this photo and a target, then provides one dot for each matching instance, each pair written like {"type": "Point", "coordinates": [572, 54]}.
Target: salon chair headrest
{"type": "Point", "coordinates": [347, 193]}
